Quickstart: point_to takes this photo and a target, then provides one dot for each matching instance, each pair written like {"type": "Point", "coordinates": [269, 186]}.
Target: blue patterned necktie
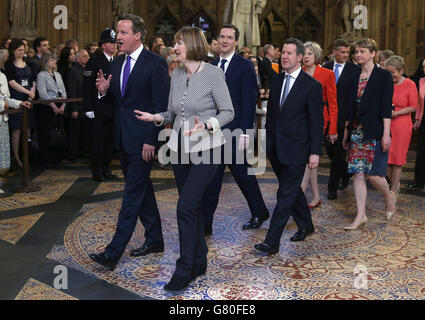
{"type": "Point", "coordinates": [337, 74]}
{"type": "Point", "coordinates": [223, 63]}
{"type": "Point", "coordinates": [126, 75]}
{"type": "Point", "coordinates": [285, 90]}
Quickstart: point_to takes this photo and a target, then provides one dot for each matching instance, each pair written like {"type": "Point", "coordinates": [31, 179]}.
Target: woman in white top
{"type": "Point", "coordinates": [5, 103]}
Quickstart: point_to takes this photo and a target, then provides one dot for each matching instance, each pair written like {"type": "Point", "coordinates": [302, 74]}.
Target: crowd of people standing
{"type": "Point", "coordinates": [359, 110]}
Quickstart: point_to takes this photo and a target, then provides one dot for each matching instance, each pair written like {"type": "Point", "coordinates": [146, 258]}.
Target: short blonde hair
{"type": "Point", "coordinates": [368, 43]}
{"type": "Point", "coordinates": [317, 51]}
{"type": "Point", "coordinates": [396, 62]}
{"type": "Point", "coordinates": [195, 41]}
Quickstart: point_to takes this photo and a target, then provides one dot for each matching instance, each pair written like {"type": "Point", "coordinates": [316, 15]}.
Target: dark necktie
{"type": "Point", "coordinates": [285, 91]}
{"type": "Point", "coordinates": [126, 75]}
{"type": "Point", "coordinates": [223, 63]}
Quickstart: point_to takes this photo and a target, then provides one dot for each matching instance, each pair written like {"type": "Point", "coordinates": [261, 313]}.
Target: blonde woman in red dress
{"type": "Point", "coordinates": [405, 101]}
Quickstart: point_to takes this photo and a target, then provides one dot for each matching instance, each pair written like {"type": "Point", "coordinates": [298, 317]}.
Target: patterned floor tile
{"type": "Point", "coordinates": [35, 290]}
{"type": "Point", "coordinates": [12, 230]}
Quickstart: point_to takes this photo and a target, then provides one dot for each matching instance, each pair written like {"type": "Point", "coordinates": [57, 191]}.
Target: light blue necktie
{"type": "Point", "coordinates": [337, 74]}
{"type": "Point", "coordinates": [285, 90]}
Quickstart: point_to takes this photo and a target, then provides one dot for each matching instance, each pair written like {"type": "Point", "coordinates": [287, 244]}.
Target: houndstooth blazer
{"type": "Point", "coordinates": [207, 97]}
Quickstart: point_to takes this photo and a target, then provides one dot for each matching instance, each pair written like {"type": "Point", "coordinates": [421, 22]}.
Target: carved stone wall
{"type": "Point", "coordinates": [394, 24]}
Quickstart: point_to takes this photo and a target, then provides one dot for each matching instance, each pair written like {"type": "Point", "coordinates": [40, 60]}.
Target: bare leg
{"type": "Point", "coordinates": [381, 184]}
{"type": "Point", "coordinates": [314, 187]}
{"type": "Point", "coordinates": [16, 139]}
{"type": "Point", "coordinates": [306, 179]}
{"type": "Point", "coordinates": [395, 179]}
{"type": "Point", "coordinates": [360, 193]}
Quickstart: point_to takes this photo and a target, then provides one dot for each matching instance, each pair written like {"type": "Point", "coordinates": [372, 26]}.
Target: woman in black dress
{"type": "Point", "coordinates": [22, 84]}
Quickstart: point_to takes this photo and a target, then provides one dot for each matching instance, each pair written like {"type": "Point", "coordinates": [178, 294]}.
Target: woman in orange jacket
{"type": "Point", "coordinates": [311, 61]}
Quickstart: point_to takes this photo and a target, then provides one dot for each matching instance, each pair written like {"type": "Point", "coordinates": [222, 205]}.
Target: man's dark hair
{"type": "Point", "coordinates": [138, 24]}
{"type": "Point", "coordinates": [340, 43]}
{"type": "Point", "coordinates": [37, 43]}
{"type": "Point", "coordinates": [71, 43]}
{"type": "Point", "coordinates": [231, 26]}
{"type": "Point", "coordinates": [298, 43]}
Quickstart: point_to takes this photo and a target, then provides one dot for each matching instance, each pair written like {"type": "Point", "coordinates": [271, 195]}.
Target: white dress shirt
{"type": "Point", "coordinates": [134, 56]}
{"type": "Point", "coordinates": [341, 67]}
{"type": "Point", "coordinates": [228, 59]}
{"type": "Point", "coordinates": [294, 75]}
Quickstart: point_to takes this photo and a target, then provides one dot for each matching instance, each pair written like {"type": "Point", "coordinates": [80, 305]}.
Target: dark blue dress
{"type": "Point", "coordinates": [24, 77]}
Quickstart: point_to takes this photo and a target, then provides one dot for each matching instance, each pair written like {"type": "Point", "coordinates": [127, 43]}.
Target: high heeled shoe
{"type": "Point", "coordinates": [390, 214]}
{"type": "Point", "coordinates": [352, 228]}
{"type": "Point", "coordinates": [317, 205]}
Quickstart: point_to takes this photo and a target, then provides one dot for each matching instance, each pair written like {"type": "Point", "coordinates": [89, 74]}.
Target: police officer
{"type": "Point", "coordinates": [101, 111]}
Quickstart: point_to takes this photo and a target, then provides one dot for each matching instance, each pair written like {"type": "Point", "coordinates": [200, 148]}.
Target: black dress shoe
{"type": "Point", "coordinates": [144, 250]}
{"type": "Point", "coordinates": [198, 270]}
{"type": "Point", "coordinates": [177, 284]}
{"type": "Point", "coordinates": [343, 185]}
{"type": "Point", "coordinates": [104, 260]}
{"type": "Point", "coordinates": [414, 186]}
{"type": "Point", "coordinates": [208, 230]}
{"type": "Point", "coordinates": [332, 195]}
{"type": "Point", "coordinates": [301, 235]}
{"type": "Point", "coordinates": [108, 175]}
{"type": "Point", "coordinates": [255, 223]}
{"type": "Point", "coordinates": [264, 247]}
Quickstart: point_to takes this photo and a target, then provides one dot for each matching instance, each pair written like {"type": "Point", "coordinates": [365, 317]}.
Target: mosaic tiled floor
{"type": "Point", "coordinates": [12, 230]}
{"type": "Point", "coordinates": [326, 266]}
{"type": "Point", "coordinates": [53, 183]}
{"type": "Point", "coordinates": [35, 290]}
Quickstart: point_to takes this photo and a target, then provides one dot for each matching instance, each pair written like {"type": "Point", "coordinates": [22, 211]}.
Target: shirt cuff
{"type": "Point", "coordinates": [99, 96]}
{"type": "Point", "coordinates": [215, 125]}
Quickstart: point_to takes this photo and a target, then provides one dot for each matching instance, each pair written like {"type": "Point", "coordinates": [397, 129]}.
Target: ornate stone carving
{"type": "Point", "coordinates": [120, 7]}
{"type": "Point", "coordinates": [22, 16]}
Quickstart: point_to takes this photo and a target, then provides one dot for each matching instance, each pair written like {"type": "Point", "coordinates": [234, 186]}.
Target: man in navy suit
{"type": "Point", "coordinates": [242, 83]}
{"type": "Point", "coordinates": [347, 76]}
{"type": "Point", "coordinates": [138, 79]}
{"type": "Point", "coordinates": [294, 138]}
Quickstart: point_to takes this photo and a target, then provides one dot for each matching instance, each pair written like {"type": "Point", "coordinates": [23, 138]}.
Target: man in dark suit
{"type": "Point", "coordinates": [138, 80]}
{"type": "Point", "coordinates": [265, 68]}
{"type": "Point", "coordinates": [242, 83]}
{"type": "Point", "coordinates": [347, 77]}
{"type": "Point", "coordinates": [41, 46]}
{"type": "Point", "coordinates": [101, 111]}
{"type": "Point", "coordinates": [294, 138]}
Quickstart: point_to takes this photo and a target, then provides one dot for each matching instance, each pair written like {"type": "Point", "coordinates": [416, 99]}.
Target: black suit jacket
{"type": "Point", "coordinates": [266, 72]}
{"type": "Point", "coordinates": [242, 83]}
{"type": "Point", "coordinates": [105, 106]}
{"type": "Point", "coordinates": [376, 103]}
{"type": "Point", "coordinates": [296, 131]}
{"type": "Point", "coordinates": [348, 80]}
{"type": "Point", "coordinates": [147, 90]}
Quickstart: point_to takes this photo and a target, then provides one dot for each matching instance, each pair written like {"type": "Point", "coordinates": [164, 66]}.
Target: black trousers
{"type": "Point", "coordinates": [192, 182]}
{"type": "Point", "coordinates": [339, 164]}
{"type": "Point", "coordinates": [46, 121]}
{"type": "Point", "coordinates": [291, 200]}
{"type": "Point", "coordinates": [103, 141]}
{"type": "Point", "coordinates": [74, 135]}
{"type": "Point", "coordinates": [247, 184]}
{"type": "Point", "coordinates": [420, 157]}
{"type": "Point", "coordinates": [138, 202]}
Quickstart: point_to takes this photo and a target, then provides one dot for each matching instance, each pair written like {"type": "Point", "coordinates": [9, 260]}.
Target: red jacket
{"type": "Point", "coordinates": [330, 111]}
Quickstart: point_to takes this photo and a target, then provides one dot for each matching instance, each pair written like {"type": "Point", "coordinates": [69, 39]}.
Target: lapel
{"type": "Point", "coordinates": [136, 70]}
{"type": "Point", "coordinates": [116, 75]}
{"type": "Point", "coordinates": [279, 91]}
{"type": "Point", "coordinates": [232, 65]}
{"type": "Point", "coordinates": [297, 85]}
{"type": "Point", "coordinates": [370, 84]}
{"type": "Point", "coordinates": [50, 79]}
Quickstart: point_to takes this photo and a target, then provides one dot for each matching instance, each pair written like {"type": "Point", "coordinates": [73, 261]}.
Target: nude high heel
{"type": "Point", "coordinates": [390, 214]}
{"type": "Point", "coordinates": [351, 228]}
